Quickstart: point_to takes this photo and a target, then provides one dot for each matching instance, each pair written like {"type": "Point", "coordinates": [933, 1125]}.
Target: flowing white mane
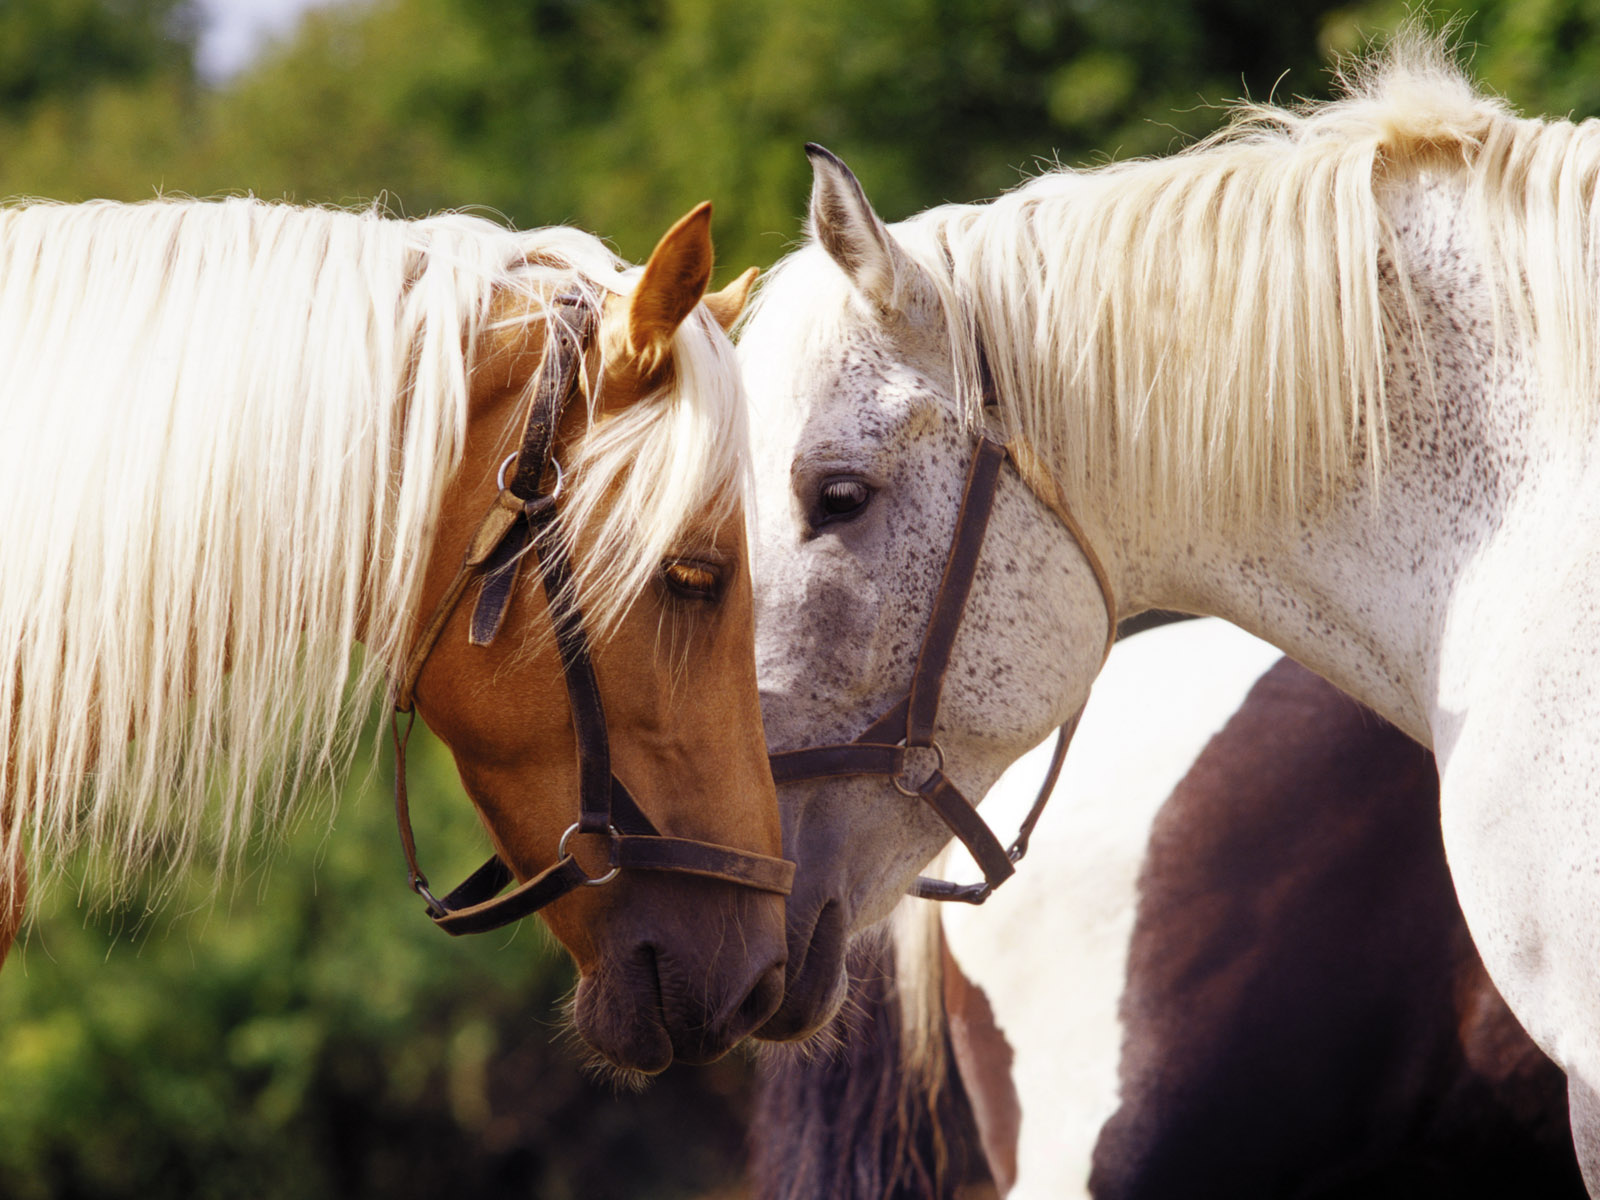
{"type": "Point", "coordinates": [225, 429]}
{"type": "Point", "coordinates": [1217, 320]}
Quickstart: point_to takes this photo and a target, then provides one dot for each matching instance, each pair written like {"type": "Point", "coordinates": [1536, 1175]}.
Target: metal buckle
{"type": "Point", "coordinates": [561, 853]}
{"type": "Point", "coordinates": [937, 768]}
{"type": "Point", "coordinates": [500, 479]}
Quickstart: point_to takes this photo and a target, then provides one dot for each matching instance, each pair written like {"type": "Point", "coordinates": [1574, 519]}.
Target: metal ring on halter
{"type": "Point", "coordinates": [561, 852]}
{"type": "Point", "coordinates": [937, 767]}
{"type": "Point", "coordinates": [419, 885]}
{"type": "Point", "coordinates": [500, 479]}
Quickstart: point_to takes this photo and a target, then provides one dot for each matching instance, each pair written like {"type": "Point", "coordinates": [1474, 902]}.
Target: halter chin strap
{"type": "Point", "coordinates": [518, 524]}
{"type": "Point", "coordinates": [910, 725]}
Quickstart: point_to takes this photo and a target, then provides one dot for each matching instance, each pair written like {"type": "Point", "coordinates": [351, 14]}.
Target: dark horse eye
{"type": "Point", "coordinates": [692, 580]}
{"type": "Point", "coordinates": [841, 499]}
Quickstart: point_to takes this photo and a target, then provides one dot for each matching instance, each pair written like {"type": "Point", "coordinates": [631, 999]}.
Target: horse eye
{"type": "Point", "coordinates": [692, 580]}
{"type": "Point", "coordinates": [841, 500]}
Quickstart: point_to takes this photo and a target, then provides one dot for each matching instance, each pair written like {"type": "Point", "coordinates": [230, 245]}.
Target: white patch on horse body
{"type": "Point", "coordinates": [1068, 915]}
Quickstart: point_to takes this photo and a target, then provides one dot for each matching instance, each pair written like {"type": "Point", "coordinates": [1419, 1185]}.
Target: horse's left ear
{"type": "Point", "coordinates": [854, 236]}
{"type": "Point", "coordinates": [726, 305]}
{"type": "Point", "coordinates": [673, 282]}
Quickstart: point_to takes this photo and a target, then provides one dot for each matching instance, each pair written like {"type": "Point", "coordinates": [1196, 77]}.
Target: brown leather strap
{"type": "Point", "coordinates": [476, 905]}
{"type": "Point", "coordinates": [657, 853]}
{"type": "Point", "coordinates": [572, 325]}
{"type": "Point", "coordinates": [1058, 758]}
{"type": "Point", "coordinates": [955, 585]}
{"type": "Point", "coordinates": [497, 911]}
{"type": "Point", "coordinates": [833, 762]}
{"type": "Point", "coordinates": [402, 803]}
{"type": "Point", "coordinates": [515, 526]}
{"type": "Point", "coordinates": [499, 572]}
{"type": "Point", "coordinates": [583, 693]}
{"type": "Point", "coordinates": [957, 812]}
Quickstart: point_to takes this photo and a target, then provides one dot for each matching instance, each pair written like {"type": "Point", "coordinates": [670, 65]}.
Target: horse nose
{"type": "Point", "coordinates": [763, 999]}
{"type": "Point", "coordinates": [703, 1037]}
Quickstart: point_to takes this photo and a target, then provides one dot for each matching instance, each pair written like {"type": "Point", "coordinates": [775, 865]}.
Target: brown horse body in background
{"type": "Point", "coordinates": [1303, 1013]}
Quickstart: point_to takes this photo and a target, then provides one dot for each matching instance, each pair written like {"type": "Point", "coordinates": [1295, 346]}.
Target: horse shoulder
{"type": "Point", "coordinates": [1519, 768]}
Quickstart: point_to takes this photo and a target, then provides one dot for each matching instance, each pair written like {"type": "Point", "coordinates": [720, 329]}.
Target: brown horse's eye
{"type": "Point", "coordinates": [692, 580]}
{"type": "Point", "coordinates": [841, 500]}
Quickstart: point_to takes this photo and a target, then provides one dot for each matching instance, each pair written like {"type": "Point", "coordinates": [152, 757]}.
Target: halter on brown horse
{"type": "Point", "coordinates": [681, 951]}
{"type": "Point", "coordinates": [673, 963]}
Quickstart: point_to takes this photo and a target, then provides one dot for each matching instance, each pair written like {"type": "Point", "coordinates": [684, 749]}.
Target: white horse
{"type": "Point", "coordinates": [1330, 375]}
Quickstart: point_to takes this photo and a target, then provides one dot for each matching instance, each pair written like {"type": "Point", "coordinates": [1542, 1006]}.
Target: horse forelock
{"type": "Point", "coordinates": [1214, 324]}
{"type": "Point", "coordinates": [653, 480]}
{"type": "Point", "coordinates": [227, 429]}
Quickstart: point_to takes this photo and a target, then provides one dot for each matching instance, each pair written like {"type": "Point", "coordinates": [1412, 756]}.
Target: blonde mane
{"type": "Point", "coordinates": [1216, 321]}
{"type": "Point", "coordinates": [225, 433]}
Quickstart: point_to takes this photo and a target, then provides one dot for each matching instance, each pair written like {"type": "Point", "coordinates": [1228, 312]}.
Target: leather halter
{"type": "Point", "coordinates": [521, 522]}
{"type": "Point", "coordinates": [911, 724]}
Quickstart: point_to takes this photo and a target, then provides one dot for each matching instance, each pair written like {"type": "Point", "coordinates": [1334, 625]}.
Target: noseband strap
{"type": "Point", "coordinates": [911, 724]}
{"type": "Point", "coordinates": [520, 523]}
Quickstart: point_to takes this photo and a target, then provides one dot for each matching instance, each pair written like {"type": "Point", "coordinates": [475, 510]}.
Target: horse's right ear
{"type": "Point", "coordinates": [844, 224]}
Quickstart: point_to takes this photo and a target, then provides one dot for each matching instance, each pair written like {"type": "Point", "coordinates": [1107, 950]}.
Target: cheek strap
{"type": "Point", "coordinates": [910, 725]}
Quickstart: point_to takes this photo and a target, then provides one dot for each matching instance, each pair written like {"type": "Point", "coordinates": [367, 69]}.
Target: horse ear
{"type": "Point", "coordinates": [843, 222]}
{"type": "Point", "coordinates": [673, 282]}
{"type": "Point", "coordinates": [727, 304]}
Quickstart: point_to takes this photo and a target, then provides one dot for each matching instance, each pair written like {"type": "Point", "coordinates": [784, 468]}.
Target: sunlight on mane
{"type": "Point", "coordinates": [1214, 323]}
{"type": "Point", "coordinates": [228, 426]}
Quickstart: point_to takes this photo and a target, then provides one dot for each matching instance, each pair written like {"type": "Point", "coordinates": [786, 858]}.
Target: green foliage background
{"type": "Point", "coordinates": [308, 1034]}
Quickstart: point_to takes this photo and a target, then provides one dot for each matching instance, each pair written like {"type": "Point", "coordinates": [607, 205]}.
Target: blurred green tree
{"type": "Point", "coordinates": [54, 49]}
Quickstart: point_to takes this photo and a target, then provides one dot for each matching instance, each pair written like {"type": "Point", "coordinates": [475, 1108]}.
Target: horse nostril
{"type": "Point", "coordinates": [763, 999]}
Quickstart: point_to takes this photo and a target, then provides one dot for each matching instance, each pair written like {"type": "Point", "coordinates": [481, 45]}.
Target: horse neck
{"type": "Point", "coordinates": [1337, 591]}
{"type": "Point", "coordinates": [1366, 583]}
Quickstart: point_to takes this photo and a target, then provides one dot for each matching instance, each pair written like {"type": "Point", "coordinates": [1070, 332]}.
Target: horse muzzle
{"type": "Point", "coordinates": [686, 990]}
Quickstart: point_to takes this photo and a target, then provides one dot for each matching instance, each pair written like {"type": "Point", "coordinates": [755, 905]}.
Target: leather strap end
{"type": "Point", "coordinates": [494, 599]}
{"type": "Point", "coordinates": [946, 799]}
{"type": "Point", "coordinates": [492, 530]}
{"type": "Point", "coordinates": [487, 882]}
{"type": "Point", "coordinates": [927, 888]}
{"type": "Point", "coordinates": [495, 913]}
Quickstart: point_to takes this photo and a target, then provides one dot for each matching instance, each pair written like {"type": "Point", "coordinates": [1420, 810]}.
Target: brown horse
{"type": "Point", "coordinates": [1291, 1003]}
{"type": "Point", "coordinates": [304, 417]}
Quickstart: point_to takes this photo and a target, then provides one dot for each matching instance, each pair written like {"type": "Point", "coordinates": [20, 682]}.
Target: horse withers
{"type": "Point", "coordinates": [1329, 375]}
{"type": "Point", "coordinates": [240, 438]}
